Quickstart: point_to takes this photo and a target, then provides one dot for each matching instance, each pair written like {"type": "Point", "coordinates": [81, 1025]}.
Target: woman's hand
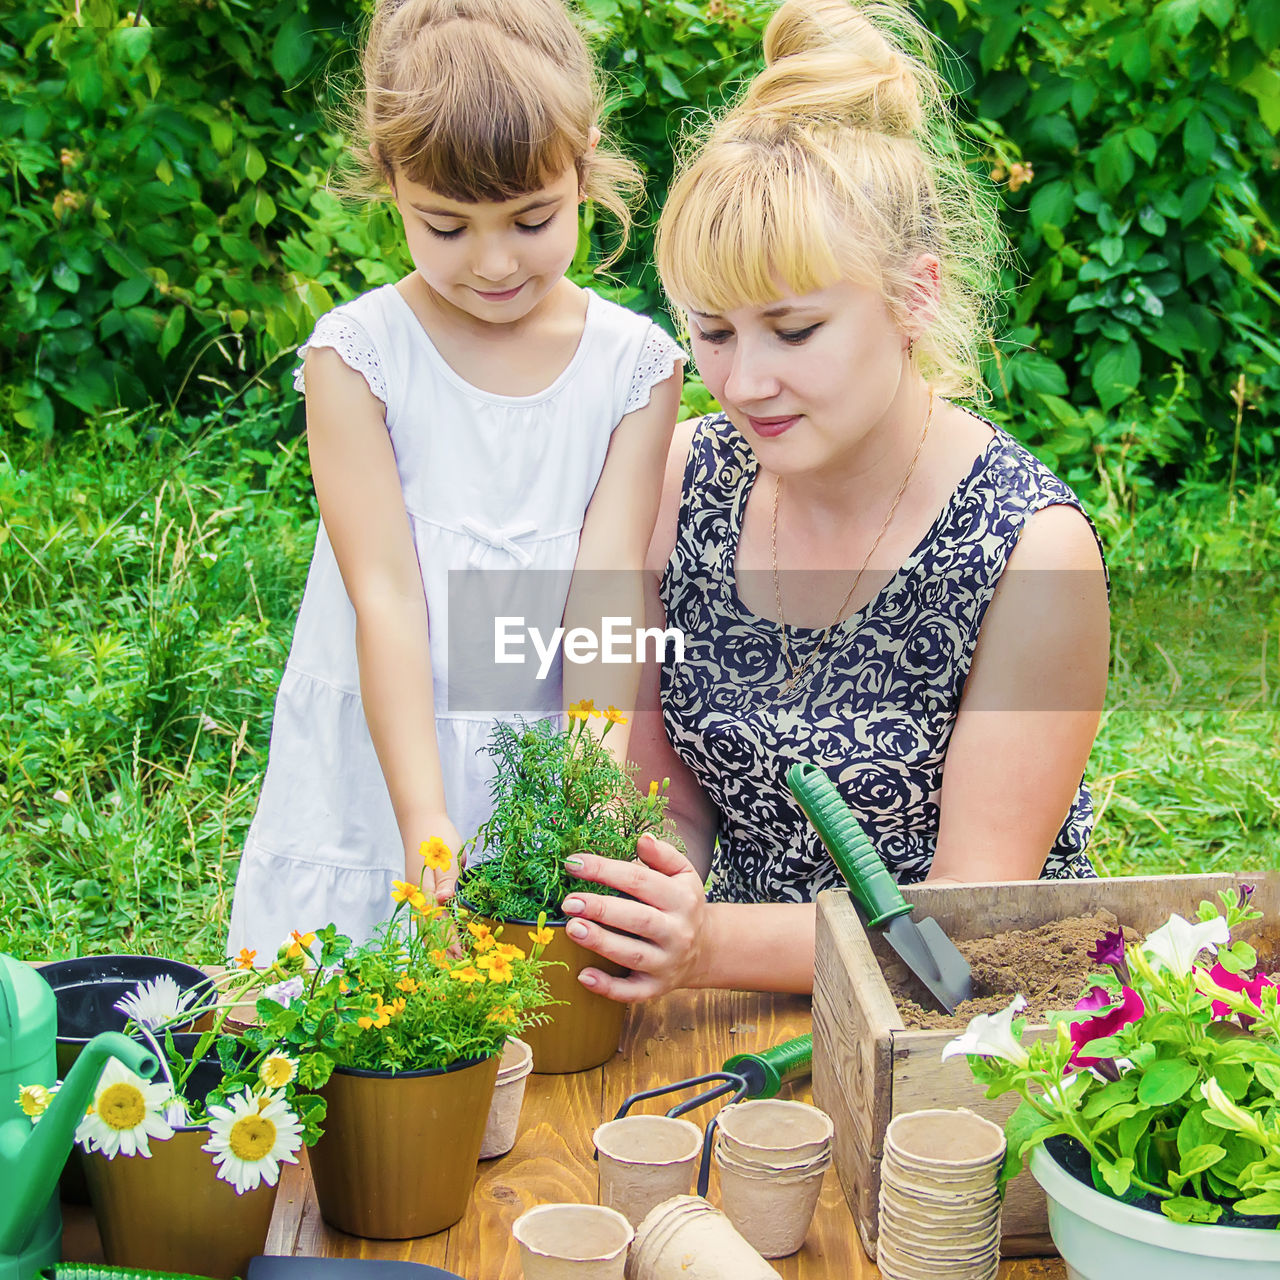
{"type": "Point", "coordinates": [658, 936]}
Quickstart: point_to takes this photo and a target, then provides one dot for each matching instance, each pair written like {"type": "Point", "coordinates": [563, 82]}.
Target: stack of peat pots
{"type": "Point", "coordinates": [685, 1238]}
{"type": "Point", "coordinates": [939, 1207]}
{"type": "Point", "coordinates": [771, 1156]}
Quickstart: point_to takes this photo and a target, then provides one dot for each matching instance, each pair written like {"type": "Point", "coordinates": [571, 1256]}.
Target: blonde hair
{"type": "Point", "coordinates": [482, 100]}
{"type": "Point", "coordinates": [840, 161]}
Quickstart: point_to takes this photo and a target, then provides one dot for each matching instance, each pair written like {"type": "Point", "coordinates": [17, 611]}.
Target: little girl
{"type": "Point", "coordinates": [482, 414]}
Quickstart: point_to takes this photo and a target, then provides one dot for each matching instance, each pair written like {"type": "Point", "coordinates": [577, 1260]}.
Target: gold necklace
{"type": "Point", "coordinates": [796, 673]}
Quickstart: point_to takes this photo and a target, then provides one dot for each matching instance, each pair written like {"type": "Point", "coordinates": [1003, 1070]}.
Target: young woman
{"type": "Point", "coordinates": [868, 575]}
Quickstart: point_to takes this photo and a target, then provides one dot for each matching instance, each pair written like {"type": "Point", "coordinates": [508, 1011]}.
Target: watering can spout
{"type": "Point", "coordinates": [31, 1157]}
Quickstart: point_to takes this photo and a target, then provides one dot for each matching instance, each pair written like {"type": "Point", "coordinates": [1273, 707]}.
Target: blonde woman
{"type": "Point", "coordinates": [482, 413]}
{"type": "Point", "coordinates": [867, 575]}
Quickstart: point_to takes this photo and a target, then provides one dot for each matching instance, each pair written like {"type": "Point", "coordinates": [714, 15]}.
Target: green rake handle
{"type": "Point", "coordinates": [91, 1271]}
{"type": "Point", "coordinates": [766, 1072]}
{"type": "Point", "coordinates": [868, 879]}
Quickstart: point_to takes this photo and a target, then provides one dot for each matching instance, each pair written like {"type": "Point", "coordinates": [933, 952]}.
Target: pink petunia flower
{"type": "Point", "coordinates": [1252, 987]}
{"type": "Point", "coordinates": [1110, 1015]}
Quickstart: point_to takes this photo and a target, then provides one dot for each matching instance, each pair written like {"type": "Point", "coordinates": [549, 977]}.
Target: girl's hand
{"type": "Point", "coordinates": [438, 875]}
{"type": "Point", "coordinates": [665, 922]}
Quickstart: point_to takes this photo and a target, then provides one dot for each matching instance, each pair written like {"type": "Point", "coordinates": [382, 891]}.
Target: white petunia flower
{"type": "Point", "coordinates": [1176, 945]}
{"type": "Point", "coordinates": [990, 1035]}
{"type": "Point", "coordinates": [125, 1113]}
{"type": "Point", "coordinates": [1227, 1115]}
{"type": "Point", "coordinates": [157, 1003]}
{"type": "Point", "coordinates": [252, 1136]}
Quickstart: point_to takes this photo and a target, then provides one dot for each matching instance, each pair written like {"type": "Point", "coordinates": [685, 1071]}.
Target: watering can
{"type": "Point", "coordinates": [31, 1157]}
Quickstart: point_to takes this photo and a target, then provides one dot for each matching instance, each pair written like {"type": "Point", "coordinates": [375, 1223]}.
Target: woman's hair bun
{"type": "Point", "coordinates": [859, 64]}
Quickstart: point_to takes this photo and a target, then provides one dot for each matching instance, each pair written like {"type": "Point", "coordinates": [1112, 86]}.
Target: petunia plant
{"type": "Point", "coordinates": [248, 1100]}
{"type": "Point", "coordinates": [1165, 1074]}
{"type": "Point", "coordinates": [556, 792]}
{"type": "Point", "coordinates": [431, 987]}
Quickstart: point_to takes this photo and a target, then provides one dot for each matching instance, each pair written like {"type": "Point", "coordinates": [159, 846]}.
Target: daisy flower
{"type": "Point", "coordinates": [34, 1100]}
{"type": "Point", "coordinates": [250, 1138]}
{"type": "Point", "coordinates": [127, 1111]}
{"type": "Point", "coordinates": [278, 1070]}
{"type": "Point", "coordinates": [153, 1004]}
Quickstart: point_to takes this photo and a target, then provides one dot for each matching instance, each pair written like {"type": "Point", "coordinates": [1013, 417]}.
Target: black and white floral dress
{"type": "Point", "coordinates": [877, 709]}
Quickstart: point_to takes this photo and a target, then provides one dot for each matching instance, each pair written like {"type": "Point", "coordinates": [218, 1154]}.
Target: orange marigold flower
{"type": "Point", "coordinates": [407, 984]}
{"type": "Point", "coordinates": [395, 1007]}
{"type": "Point", "coordinates": [246, 958]}
{"type": "Point", "coordinates": [436, 854]}
{"type": "Point", "coordinates": [298, 943]}
{"type": "Point", "coordinates": [505, 1015]}
{"type": "Point", "coordinates": [439, 957]}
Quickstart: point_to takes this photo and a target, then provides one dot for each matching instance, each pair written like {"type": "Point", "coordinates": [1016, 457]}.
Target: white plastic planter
{"type": "Point", "coordinates": [1100, 1238]}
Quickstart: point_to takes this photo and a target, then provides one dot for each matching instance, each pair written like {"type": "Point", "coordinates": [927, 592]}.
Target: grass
{"type": "Point", "coordinates": [149, 577]}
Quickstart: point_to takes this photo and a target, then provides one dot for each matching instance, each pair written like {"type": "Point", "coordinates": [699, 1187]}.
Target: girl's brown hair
{"type": "Point", "coordinates": [482, 100]}
{"type": "Point", "coordinates": [840, 161]}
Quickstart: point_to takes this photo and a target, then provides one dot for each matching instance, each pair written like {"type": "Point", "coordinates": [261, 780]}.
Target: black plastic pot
{"type": "Point", "coordinates": [86, 990]}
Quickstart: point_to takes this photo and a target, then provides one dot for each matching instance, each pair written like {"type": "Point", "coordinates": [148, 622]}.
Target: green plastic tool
{"type": "Point", "coordinates": [94, 1271]}
{"type": "Point", "coordinates": [766, 1072]}
{"type": "Point", "coordinates": [927, 951]}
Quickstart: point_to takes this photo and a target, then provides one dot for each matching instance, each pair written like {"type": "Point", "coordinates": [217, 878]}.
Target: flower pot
{"type": "Point", "coordinates": [685, 1238]}
{"type": "Point", "coordinates": [1100, 1238]}
{"type": "Point", "coordinates": [398, 1155]}
{"type": "Point", "coordinates": [645, 1160]}
{"type": "Point", "coordinates": [508, 1095]}
{"type": "Point", "coordinates": [585, 1028]}
{"type": "Point", "coordinates": [86, 990]}
{"type": "Point", "coordinates": [572, 1242]}
{"type": "Point", "coordinates": [173, 1213]}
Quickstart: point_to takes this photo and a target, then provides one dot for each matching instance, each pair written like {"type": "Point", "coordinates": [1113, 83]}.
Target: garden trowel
{"type": "Point", "coordinates": [927, 951]}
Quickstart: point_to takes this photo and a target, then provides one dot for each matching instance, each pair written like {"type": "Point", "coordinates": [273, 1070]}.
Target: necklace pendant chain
{"type": "Point", "coordinates": [797, 672]}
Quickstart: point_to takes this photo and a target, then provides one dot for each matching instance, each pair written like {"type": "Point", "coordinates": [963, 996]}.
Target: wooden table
{"type": "Point", "coordinates": [666, 1040]}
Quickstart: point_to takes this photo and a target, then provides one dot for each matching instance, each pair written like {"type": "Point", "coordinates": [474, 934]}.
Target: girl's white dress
{"type": "Point", "coordinates": [490, 482]}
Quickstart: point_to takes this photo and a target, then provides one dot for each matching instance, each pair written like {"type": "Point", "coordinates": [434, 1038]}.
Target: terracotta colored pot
{"type": "Point", "coordinates": [398, 1156]}
{"type": "Point", "coordinates": [173, 1213]}
{"type": "Point", "coordinates": [586, 1029]}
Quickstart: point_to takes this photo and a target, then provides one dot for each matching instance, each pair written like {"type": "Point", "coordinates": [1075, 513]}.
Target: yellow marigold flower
{"type": "Point", "coordinates": [653, 791]}
{"type": "Point", "coordinates": [403, 890]}
{"type": "Point", "coordinates": [506, 951]}
{"type": "Point", "coordinates": [407, 984]}
{"type": "Point", "coordinates": [396, 1007]}
{"type": "Point", "coordinates": [505, 1015]}
{"type": "Point", "coordinates": [435, 853]}
{"type": "Point", "coordinates": [468, 973]}
{"type": "Point", "coordinates": [614, 716]}
{"type": "Point", "coordinates": [500, 969]}
{"type": "Point", "coordinates": [246, 958]}
{"type": "Point", "coordinates": [439, 957]}
{"type": "Point", "coordinates": [583, 710]}
{"type": "Point", "coordinates": [34, 1099]}
{"type": "Point", "coordinates": [298, 943]}
{"type": "Point", "coordinates": [383, 1017]}
{"type": "Point", "coordinates": [483, 936]}
{"type": "Point", "coordinates": [541, 936]}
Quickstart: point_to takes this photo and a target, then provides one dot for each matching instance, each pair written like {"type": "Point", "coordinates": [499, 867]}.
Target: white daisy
{"type": "Point", "coordinates": [125, 1113]}
{"type": "Point", "coordinates": [278, 1070]}
{"type": "Point", "coordinates": [156, 1003]}
{"type": "Point", "coordinates": [251, 1137]}
{"type": "Point", "coordinates": [34, 1100]}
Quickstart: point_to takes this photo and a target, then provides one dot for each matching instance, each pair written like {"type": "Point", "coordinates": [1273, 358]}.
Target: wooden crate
{"type": "Point", "coordinates": [868, 1068]}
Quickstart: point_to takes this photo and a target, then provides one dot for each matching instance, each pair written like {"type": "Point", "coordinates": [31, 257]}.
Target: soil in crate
{"type": "Point", "coordinates": [1048, 965]}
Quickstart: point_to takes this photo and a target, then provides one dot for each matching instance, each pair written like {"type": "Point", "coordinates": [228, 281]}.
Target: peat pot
{"type": "Point", "coordinates": [1100, 1238]}
{"type": "Point", "coordinates": [173, 1213]}
{"type": "Point", "coordinates": [399, 1152]}
{"type": "Point", "coordinates": [585, 1028]}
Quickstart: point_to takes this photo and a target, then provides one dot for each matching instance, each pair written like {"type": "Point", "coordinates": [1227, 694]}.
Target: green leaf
{"type": "Point", "coordinates": [1166, 1079]}
{"type": "Point", "coordinates": [1264, 22]}
{"type": "Point", "coordinates": [1037, 372]}
{"type": "Point", "coordinates": [1198, 1159]}
{"type": "Point", "coordinates": [1113, 163]}
{"type": "Point", "coordinates": [172, 331]}
{"type": "Point", "coordinates": [65, 278]}
{"type": "Point", "coordinates": [1198, 139]}
{"type": "Point", "coordinates": [1115, 375]}
{"type": "Point", "coordinates": [666, 77]}
{"type": "Point", "coordinates": [1195, 198]}
{"type": "Point", "coordinates": [1137, 58]}
{"type": "Point", "coordinates": [1190, 1209]}
{"type": "Point", "coordinates": [1143, 141]}
{"type": "Point", "coordinates": [1117, 1175]}
{"type": "Point", "coordinates": [1152, 221]}
{"type": "Point", "coordinates": [293, 47]}
{"type": "Point", "coordinates": [254, 165]}
{"type": "Point", "coordinates": [1264, 84]}
{"type": "Point", "coordinates": [221, 135]}
{"type": "Point", "coordinates": [1052, 205]}
{"type": "Point", "coordinates": [130, 292]}
{"type": "Point", "coordinates": [1266, 1203]}
{"type": "Point", "coordinates": [264, 208]}
{"type": "Point", "coordinates": [133, 43]}
{"type": "Point", "coordinates": [1111, 249]}
{"type": "Point", "coordinates": [1219, 12]}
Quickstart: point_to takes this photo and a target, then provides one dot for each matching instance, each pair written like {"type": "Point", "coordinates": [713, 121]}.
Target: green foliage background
{"type": "Point", "coordinates": [167, 239]}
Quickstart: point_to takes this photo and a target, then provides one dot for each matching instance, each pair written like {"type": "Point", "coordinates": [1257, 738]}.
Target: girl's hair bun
{"type": "Point", "coordinates": [825, 60]}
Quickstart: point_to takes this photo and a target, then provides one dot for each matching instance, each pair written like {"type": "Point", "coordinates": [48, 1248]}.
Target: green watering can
{"type": "Point", "coordinates": [31, 1157]}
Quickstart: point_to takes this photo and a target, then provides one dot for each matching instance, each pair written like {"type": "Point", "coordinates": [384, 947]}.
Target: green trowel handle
{"type": "Point", "coordinates": [847, 843]}
{"type": "Point", "coordinates": [766, 1072]}
{"type": "Point", "coordinates": [92, 1271]}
